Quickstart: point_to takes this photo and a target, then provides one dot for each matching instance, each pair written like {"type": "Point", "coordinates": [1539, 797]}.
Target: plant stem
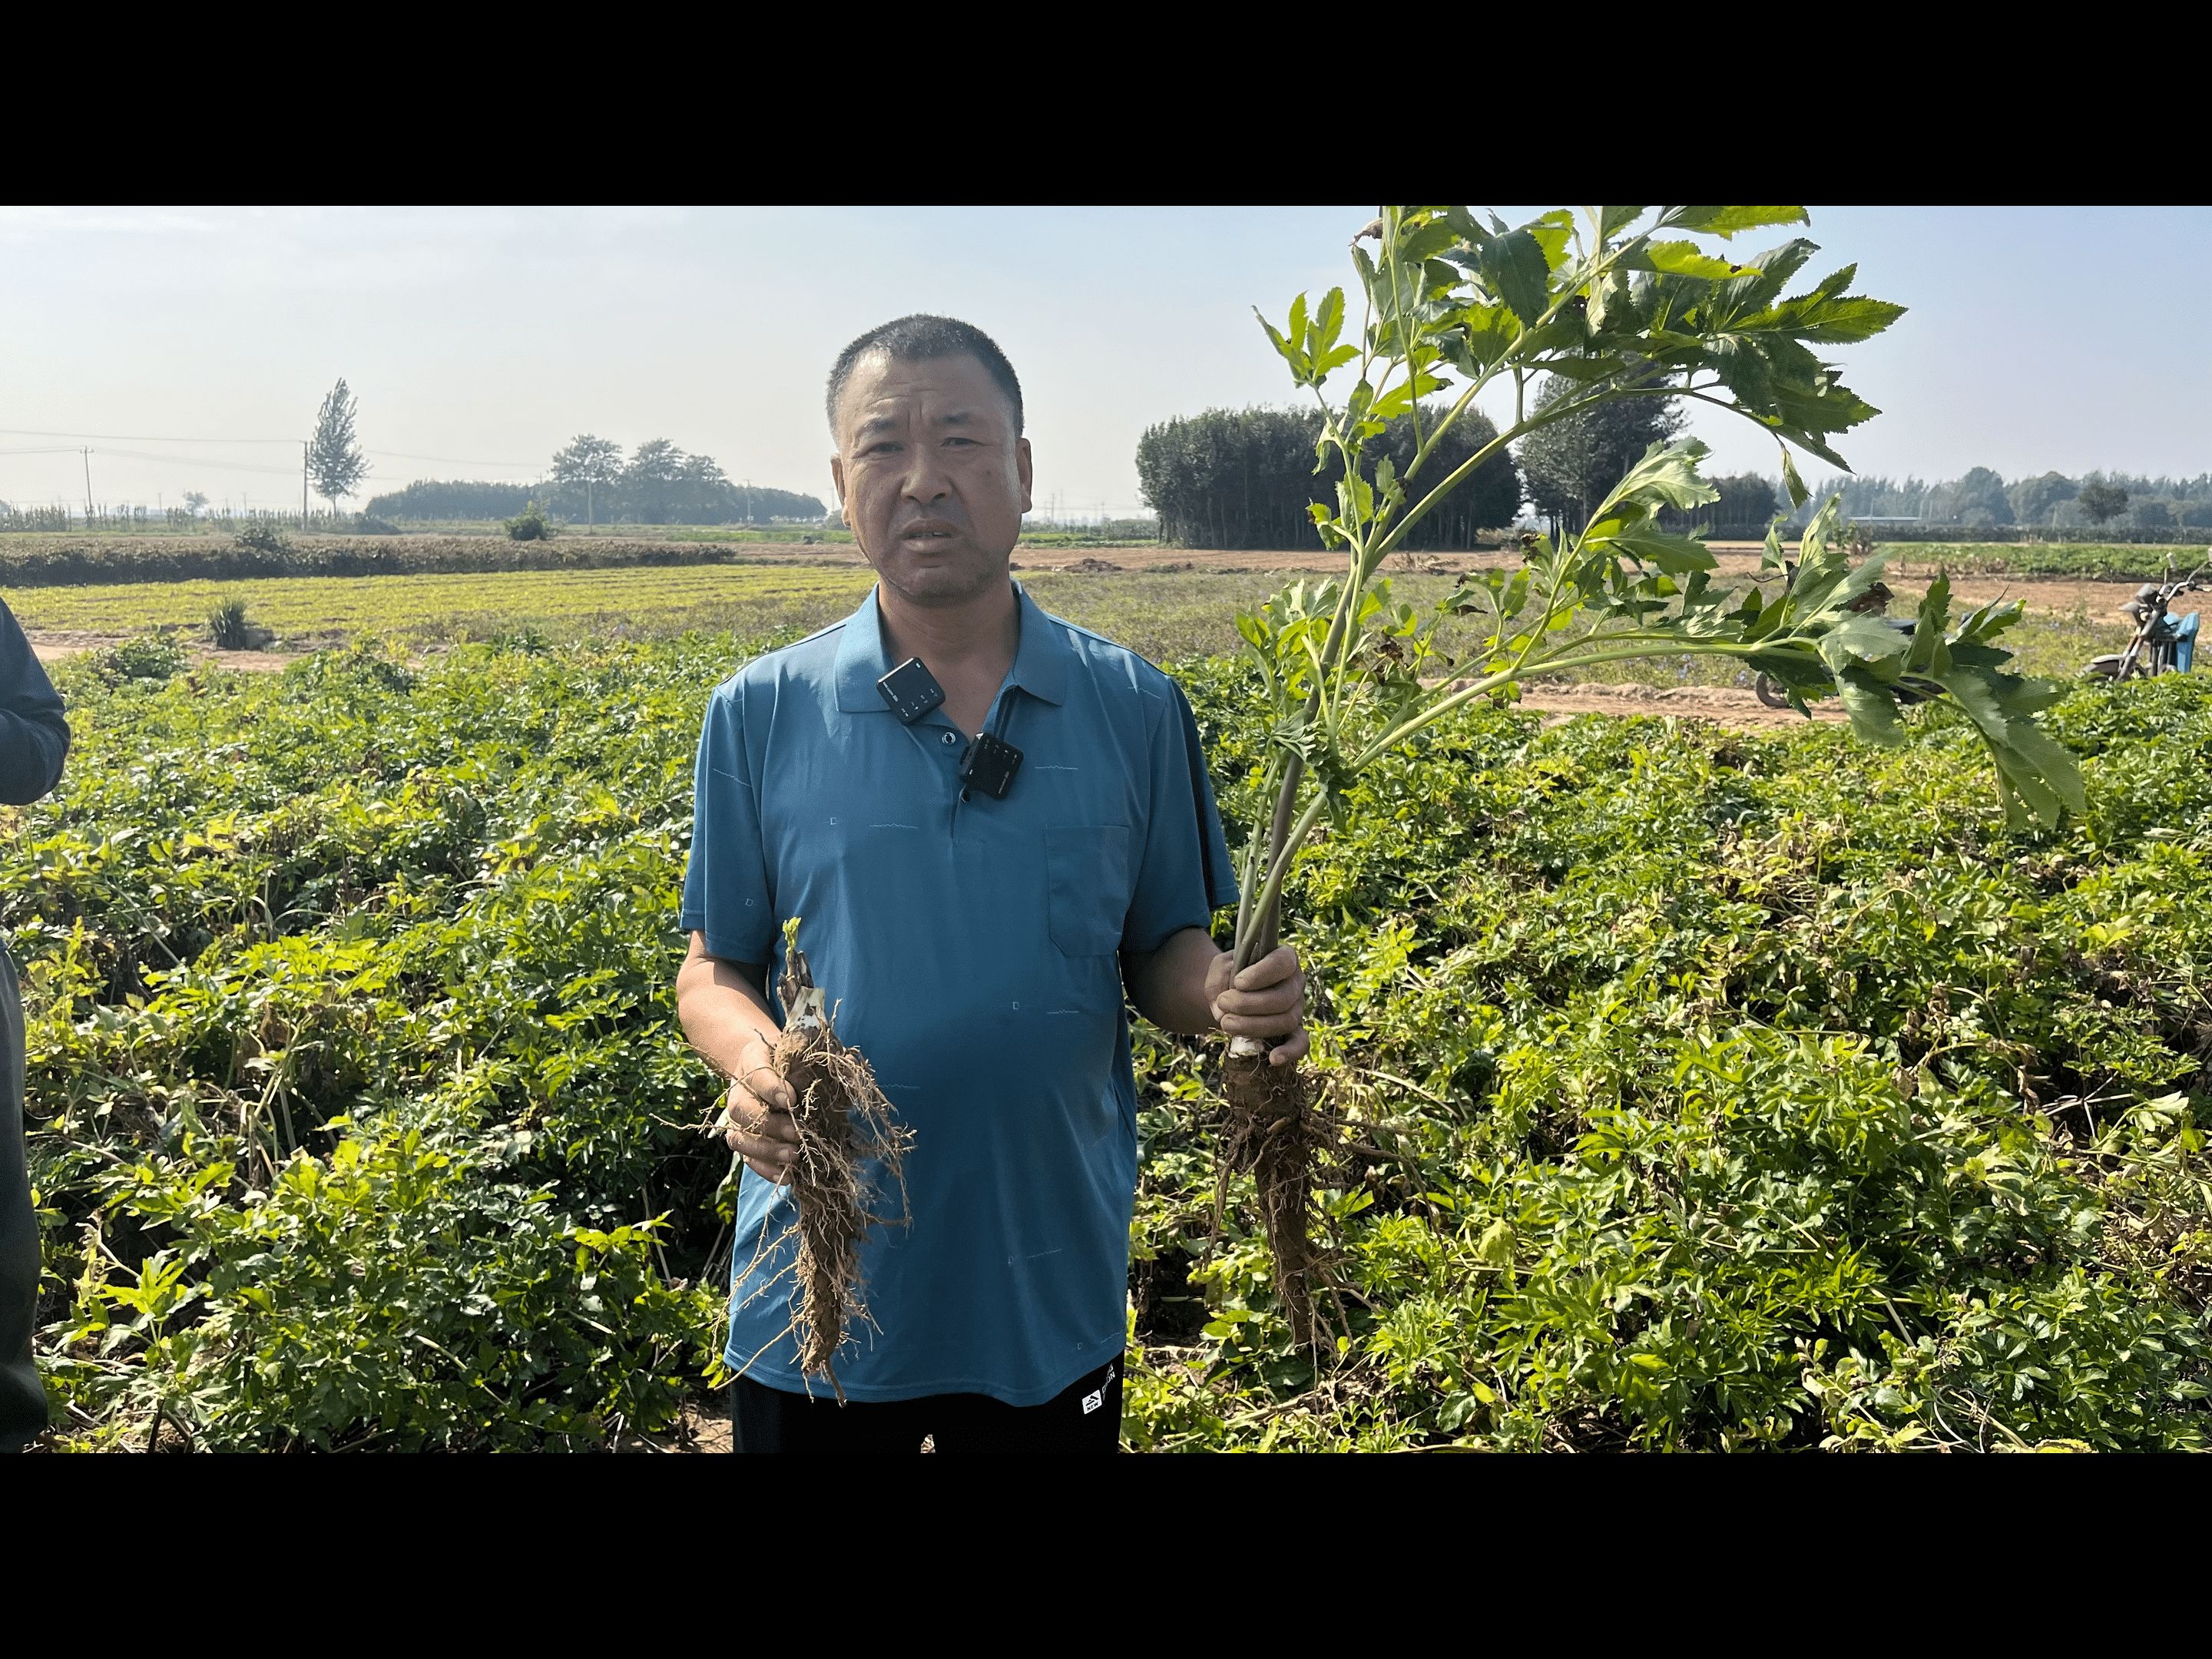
{"type": "Point", "coordinates": [1279, 868]}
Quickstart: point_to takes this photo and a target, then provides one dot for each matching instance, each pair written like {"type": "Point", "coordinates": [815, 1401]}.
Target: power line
{"type": "Point", "coordinates": [136, 437]}
{"type": "Point", "coordinates": [456, 460]}
{"type": "Point", "coordinates": [155, 438]}
{"type": "Point", "coordinates": [202, 460]}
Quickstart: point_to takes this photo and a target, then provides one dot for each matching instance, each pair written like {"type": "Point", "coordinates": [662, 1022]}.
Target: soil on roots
{"type": "Point", "coordinates": [1273, 1134]}
{"type": "Point", "coordinates": [852, 1154]}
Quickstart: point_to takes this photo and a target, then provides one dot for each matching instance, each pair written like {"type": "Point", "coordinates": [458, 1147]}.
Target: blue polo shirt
{"type": "Point", "coordinates": [969, 949]}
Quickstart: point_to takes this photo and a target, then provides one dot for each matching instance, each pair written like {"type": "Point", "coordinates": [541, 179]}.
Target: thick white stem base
{"type": "Point", "coordinates": [1247, 1048]}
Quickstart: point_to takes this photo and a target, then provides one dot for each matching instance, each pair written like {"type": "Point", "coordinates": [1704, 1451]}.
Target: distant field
{"type": "Point", "coordinates": [47, 558]}
{"type": "Point", "coordinates": [2106, 562]}
{"type": "Point", "coordinates": [1167, 614]}
{"type": "Point", "coordinates": [308, 610]}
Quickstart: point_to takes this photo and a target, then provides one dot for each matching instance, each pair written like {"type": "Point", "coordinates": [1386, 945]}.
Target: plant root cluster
{"type": "Point", "coordinates": [852, 1154]}
{"type": "Point", "coordinates": [1273, 1134]}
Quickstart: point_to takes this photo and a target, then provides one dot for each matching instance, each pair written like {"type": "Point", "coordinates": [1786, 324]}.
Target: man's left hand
{"type": "Point", "coordinates": [1267, 1001]}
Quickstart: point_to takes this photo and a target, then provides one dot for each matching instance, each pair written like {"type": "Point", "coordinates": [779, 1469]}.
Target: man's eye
{"type": "Point", "coordinates": [886, 447]}
{"type": "Point", "coordinates": [951, 442]}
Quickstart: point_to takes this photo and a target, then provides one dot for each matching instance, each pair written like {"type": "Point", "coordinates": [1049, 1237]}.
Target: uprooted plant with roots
{"type": "Point", "coordinates": [851, 1162]}
{"type": "Point", "coordinates": [1618, 302]}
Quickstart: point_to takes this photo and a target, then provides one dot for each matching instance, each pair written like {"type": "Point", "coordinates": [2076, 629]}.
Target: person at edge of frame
{"type": "Point", "coordinates": [979, 948]}
{"type": "Point", "coordinates": [34, 740]}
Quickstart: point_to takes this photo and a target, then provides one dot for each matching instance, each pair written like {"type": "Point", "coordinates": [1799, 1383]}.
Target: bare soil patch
{"type": "Point", "coordinates": [52, 644]}
{"type": "Point", "coordinates": [1739, 710]}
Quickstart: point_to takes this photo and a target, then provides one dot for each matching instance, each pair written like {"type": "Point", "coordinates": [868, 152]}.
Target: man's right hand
{"type": "Point", "coordinates": [756, 1121]}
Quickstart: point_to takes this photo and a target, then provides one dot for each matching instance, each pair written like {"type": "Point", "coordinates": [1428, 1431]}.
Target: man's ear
{"type": "Point", "coordinates": [1026, 468]}
{"type": "Point", "coordinates": [837, 483]}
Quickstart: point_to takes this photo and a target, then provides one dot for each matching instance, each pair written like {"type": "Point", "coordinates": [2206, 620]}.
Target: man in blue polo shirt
{"type": "Point", "coordinates": [978, 946]}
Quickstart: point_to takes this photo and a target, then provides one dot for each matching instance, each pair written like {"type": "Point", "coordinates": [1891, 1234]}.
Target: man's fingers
{"type": "Point", "coordinates": [1279, 965]}
{"type": "Point", "coordinates": [766, 1084]}
{"type": "Point", "coordinates": [775, 1173]}
{"type": "Point", "coordinates": [1274, 999]}
{"type": "Point", "coordinates": [1281, 1023]}
{"type": "Point", "coordinates": [746, 1113]}
{"type": "Point", "coordinates": [763, 1155]}
{"type": "Point", "coordinates": [1292, 1049]}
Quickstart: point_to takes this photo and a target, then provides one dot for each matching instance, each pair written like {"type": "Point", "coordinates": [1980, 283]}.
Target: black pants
{"type": "Point", "coordinates": [1085, 1416]}
{"type": "Point", "coordinates": [23, 1400]}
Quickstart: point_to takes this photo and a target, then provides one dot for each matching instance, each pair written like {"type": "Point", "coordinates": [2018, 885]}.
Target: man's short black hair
{"type": "Point", "coordinates": [921, 338]}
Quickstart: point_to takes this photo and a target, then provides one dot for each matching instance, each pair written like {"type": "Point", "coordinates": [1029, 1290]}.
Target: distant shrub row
{"type": "Point", "coordinates": [2063, 535]}
{"type": "Point", "coordinates": [2110, 562]}
{"type": "Point", "coordinates": [81, 562]}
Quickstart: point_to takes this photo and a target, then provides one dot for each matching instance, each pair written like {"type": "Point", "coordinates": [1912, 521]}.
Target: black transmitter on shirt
{"type": "Point", "coordinates": [989, 765]}
{"type": "Point", "coordinates": [911, 690]}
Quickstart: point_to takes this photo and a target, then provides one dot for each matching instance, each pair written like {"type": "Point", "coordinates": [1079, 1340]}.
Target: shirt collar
{"type": "Point", "coordinates": [1041, 661]}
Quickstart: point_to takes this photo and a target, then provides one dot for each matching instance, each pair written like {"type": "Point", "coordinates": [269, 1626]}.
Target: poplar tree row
{"type": "Point", "coordinates": [1244, 478]}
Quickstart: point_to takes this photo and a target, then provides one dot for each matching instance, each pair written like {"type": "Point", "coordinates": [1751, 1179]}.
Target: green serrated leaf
{"type": "Point", "coordinates": [1796, 485]}
{"type": "Point", "coordinates": [1515, 269]}
{"type": "Point", "coordinates": [1327, 324]}
{"type": "Point", "coordinates": [1684, 259]}
{"type": "Point", "coordinates": [1726, 221]}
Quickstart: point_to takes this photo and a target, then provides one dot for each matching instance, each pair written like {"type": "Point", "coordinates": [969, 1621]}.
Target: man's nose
{"type": "Point", "coordinates": [925, 478]}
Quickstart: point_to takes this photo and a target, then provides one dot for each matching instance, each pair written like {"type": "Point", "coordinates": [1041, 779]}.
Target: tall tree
{"type": "Point", "coordinates": [1976, 498]}
{"type": "Point", "coordinates": [1745, 507]}
{"type": "Point", "coordinates": [1245, 478]}
{"type": "Point", "coordinates": [335, 462]}
{"type": "Point", "coordinates": [700, 491]}
{"type": "Point", "coordinates": [2033, 498]}
{"type": "Point", "coordinates": [1489, 500]}
{"type": "Point", "coordinates": [2102, 501]}
{"type": "Point", "coordinates": [645, 480]}
{"type": "Point", "coordinates": [589, 466]}
{"type": "Point", "coordinates": [1570, 464]}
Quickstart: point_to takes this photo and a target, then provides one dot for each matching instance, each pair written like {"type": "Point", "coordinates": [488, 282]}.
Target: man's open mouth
{"type": "Point", "coordinates": [930, 531]}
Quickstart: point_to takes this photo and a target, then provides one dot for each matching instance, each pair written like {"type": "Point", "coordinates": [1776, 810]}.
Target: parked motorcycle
{"type": "Point", "coordinates": [2163, 643]}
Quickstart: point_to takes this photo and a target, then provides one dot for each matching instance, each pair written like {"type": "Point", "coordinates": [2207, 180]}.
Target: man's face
{"type": "Point", "coordinates": [932, 480]}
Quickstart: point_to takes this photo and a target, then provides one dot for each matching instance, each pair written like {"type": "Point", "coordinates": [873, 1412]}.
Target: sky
{"type": "Point", "coordinates": [479, 340]}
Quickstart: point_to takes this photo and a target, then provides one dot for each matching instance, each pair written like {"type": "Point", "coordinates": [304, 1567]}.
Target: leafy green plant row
{"type": "Point", "coordinates": [1708, 1090]}
{"type": "Point", "coordinates": [1719, 1091]}
{"type": "Point", "coordinates": [81, 561]}
{"type": "Point", "coordinates": [2103, 561]}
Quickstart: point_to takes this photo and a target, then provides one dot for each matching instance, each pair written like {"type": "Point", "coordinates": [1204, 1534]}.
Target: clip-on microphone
{"type": "Point", "coordinates": [988, 763]}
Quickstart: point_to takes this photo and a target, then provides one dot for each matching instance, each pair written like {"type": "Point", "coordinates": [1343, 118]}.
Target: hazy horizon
{"type": "Point", "coordinates": [181, 345]}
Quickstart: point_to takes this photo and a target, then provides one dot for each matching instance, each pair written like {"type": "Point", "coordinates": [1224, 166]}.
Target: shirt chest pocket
{"type": "Point", "coordinates": [1087, 888]}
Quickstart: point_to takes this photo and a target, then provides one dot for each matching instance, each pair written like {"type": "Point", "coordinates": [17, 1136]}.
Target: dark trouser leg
{"type": "Point", "coordinates": [22, 1399]}
{"type": "Point", "coordinates": [1085, 1417]}
{"type": "Point", "coordinates": [765, 1419]}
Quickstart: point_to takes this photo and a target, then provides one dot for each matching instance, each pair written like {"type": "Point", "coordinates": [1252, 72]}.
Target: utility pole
{"type": "Point", "coordinates": [87, 453]}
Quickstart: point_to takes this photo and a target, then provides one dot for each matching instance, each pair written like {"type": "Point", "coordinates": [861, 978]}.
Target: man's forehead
{"type": "Point", "coordinates": [954, 390]}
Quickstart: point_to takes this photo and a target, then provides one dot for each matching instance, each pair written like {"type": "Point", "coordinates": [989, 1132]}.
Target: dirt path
{"type": "Point", "coordinates": [52, 644]}
{"type": "Point", "coordinates": [1726, 706]}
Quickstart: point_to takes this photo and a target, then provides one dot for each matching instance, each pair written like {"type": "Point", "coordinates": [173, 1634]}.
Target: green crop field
{"type": "Point", "coordinates": [2099, 561]}
{"type": "Point", "coordinates": [1167, 615]}
{"type": "Point", "coordinates": [568, 603]}
{"type": "Point", "coordinates": [1697, 1089]}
